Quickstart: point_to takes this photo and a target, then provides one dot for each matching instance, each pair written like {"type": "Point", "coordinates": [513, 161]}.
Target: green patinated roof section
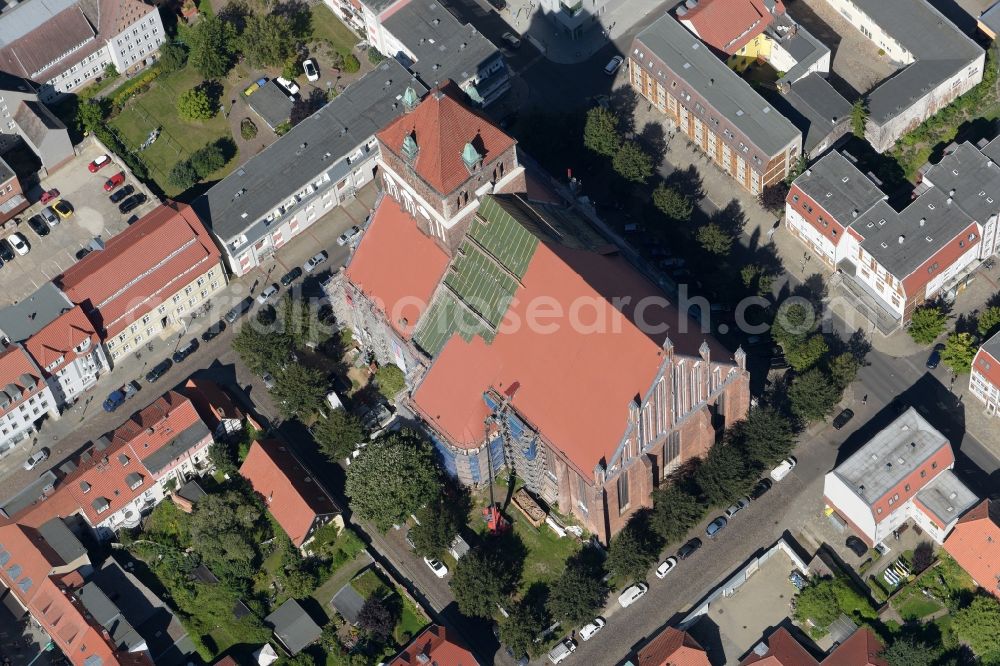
{"type": "Point", "coordinates": [481, 280]}
{"type": "Point", "coordinates": [498, 231]}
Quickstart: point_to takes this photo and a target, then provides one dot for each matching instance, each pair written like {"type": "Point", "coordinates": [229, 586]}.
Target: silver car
{"type": "Point", "coordinates": [50, 216]}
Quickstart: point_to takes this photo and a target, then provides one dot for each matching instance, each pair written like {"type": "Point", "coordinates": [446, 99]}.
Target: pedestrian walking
{"type": "Point", "coordinates": [864, 400]}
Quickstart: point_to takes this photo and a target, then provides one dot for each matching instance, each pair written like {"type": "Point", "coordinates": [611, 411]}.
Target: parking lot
{"type": "Point", "coordinates": [737, 622]}
{"type": "Point", "coordinates": [93, 216]}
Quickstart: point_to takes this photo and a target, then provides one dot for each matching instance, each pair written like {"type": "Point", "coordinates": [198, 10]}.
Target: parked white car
{"type": "Point", "coordinates": [267, 294]}
{"type": "Point", "coordinates": [632, 594]}
{"type": "Point", "coordinates": [783, 468]}
{"type": "Point", "coordinates": [315, 261]}
{"type": "Point", "coordinates": [20, 245]}
{"type": "Point", "coordinates": [591, 628]}
{"type": "Point", "coordinates": [666, 567]}
{"type": "Point", "coordinates": [309, 67]}
{"type": "Point", "coordinates": [438, 567]}
{"type": "Point", "coordinates": [290, 87]}
{"type": "Point", "coordinates": [36, 458]}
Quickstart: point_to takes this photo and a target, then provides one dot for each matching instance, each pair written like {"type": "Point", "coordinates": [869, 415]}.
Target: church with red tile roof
{"type": "Point", "coordinates": [524, 335]}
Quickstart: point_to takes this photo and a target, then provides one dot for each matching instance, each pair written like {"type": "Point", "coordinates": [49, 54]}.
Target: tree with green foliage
{"type": "Point", "coordinates": [390, 380]}
{"type": "Point", "coordinates": [766, 436]}
{"type": "Point", "coordinates": [859, 117]}
{"type": "Point", "coordinates": [337, 434]}
{"type": "Point", "coordinates": [262, 351]}
{"type": "Point", "coordinates": [207, 160]}
{"type": "Point", "coordinates": [212, 43]}
{"type": "Point", "coordinates": [844, 369]}
{"type": "Point", "coordinates": [669, 201]}
{"type": "Point", "coordinates": [173, 57]}
{"type": "Point", "coordinates": [600, 132]}
{"type": "Point", "coordinates": [813, 395]}
{"type": "Point", "coordinates": [293, 575]}
{"type": "Point", "coordinates": [988, 322]}
{"type": "Point", "coordinates": [391, 478]}
{"type": "Point", "coordinates": [927, 323]}
{"type": "Point", "coordinates": [440, 521]}
{"type": "Point", "coordinates": [194, 104]}
{"type": "Point", "coordinates": [978, 626]}
{"type": "Point", "coordinates": [801, 164]}
{"type": "Point", "coordinates": [299, 390]}
{"type": "Point", "coordinates": [182, 175]}
{"type": "Point", "coordinates": [266, 40]}
{"type": "Point", "coordinates": [90, 114]}
{"type": "Point", "coordinates": [631, 553]}
{"type": "Point", "coordinates": [225, 530]}
{"type": "Point", "coordinates": [823, 600]}
{"type": "Point", "coordinates": [519, 629]}
{"type": "Point", "coordinates": [632, 163]}
{"type": "Point", "coordinates": [375, 56]}
{"type": "Point", "coordinates": [675, 512]}
{"type": "Point", "coordinates": [304, 658]}
{"type": "Point", "coordinates": [576, 596]}
{"type": "Point", "coordinates": [723, 475]}
{"type": "Point", "coordinates": [715, 239]}
{"type": "Point", "coordinates": [803, 354]}
{"type": "Point", "coordinates": [482, 580]}
{"type": "Point", "coordinates": [959, 350]}
{"type": "Point", "coordinates": [908, 652]}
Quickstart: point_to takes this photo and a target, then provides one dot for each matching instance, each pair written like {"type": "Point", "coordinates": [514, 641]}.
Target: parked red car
{"type": "Point", "coordinates": [114, 181]}
{"type": "Point", "coordinates": [51, 195]}
{"type": "Point", "coordinates": [99, 163]}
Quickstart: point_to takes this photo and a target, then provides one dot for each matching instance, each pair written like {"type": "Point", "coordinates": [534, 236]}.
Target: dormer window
{"type": "Point", "coordinates": [83, 346]}
{"type": "Point", "coordinates": [123, 459]}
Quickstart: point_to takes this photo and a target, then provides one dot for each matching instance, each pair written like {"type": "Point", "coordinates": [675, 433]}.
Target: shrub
{"type": "Point", "coordinates": [283, 128]}
{"type": "Point", "coordinates": [195, 104]}
{"type": "Point", "coordinates": [351, 63]}
{"type": "Point", "coordinates": [183, 175]}
{"type": "Point", "coordinates": [247, 129]}
{"type": "Point", "coordinates": [374, 55]}
{"type": "Point", "coordinates": [879, 593]}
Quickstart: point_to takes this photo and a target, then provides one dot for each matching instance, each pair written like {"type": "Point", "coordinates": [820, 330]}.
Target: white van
{"type": "Point", "coordinates": [632, 594]}
{"type": "Point", "coordinates": [783, 468]}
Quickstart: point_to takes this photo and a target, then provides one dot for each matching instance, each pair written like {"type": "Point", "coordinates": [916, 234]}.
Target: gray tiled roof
{"type": "Point", "coordinates": [62, 540]}
{"type": "Point", "coordinates": [938, 46]}
{"type": "Point", "coordinates": [816, 108]}
{"type": "Point", "coordinates": [318, 144]}
{"type": "Point", "coordinates": [107, 614]}
{"type": "Point", "coordinates": [839, 187]}
{"type": "Point", "coordinates": [890, 456]}
{"type": "Point", "coordinates": [901, 242]}
{"type": "Point", "coordinates": [31, 494]}
{"type": "Point", "coordinates": [176, 447]}
{"type": "Point", "coordinates": [24, 17]}
{"type": "Point", "coordinates": [724, 89]}
{"type": "Point", "coordinates": [947, 497]}
{"type": "Point", "coordinates": [974, 178]}
{"type": "Point", "coordinates": [991, 18]}
{"type": "Point", "coordinates": [443, 46]}
{"type": "Point", "coordinates": [293, 626]}
{"type": "Point", "coordinates": [26, 317]}
{"type": "Point", "coordinates": [271, 103]}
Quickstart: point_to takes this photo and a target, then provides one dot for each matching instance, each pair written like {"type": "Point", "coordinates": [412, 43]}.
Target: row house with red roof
{"type": "Point", "coordinates": [70, 354]}
{"type": "Point", "coordinates": [149, 281]}
{"type": "Point", "coordinates": [25, 396]}
{"type": "Point", "coordinates": [984, 376]}
{"type": "Point", "coordinates": [296, 501]}
{"type": "Point", "coordinates": [64, 45]}
{"type": "Point", "coordinates": [892, 261]}
{"type": "Point", "coordinates": [781, 648]}
{"type": "Point", "coordinates": [435, 645]}
{"type": "Point", "coordinates": [904, 473]}
{"type": "Point", "coordinates": [975, 544]}
{"type": "Point", "coordinates": [500, 307]}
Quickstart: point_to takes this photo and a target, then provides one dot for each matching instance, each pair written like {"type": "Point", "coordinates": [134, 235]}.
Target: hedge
{"type": "Point", "coordinates": [137, 85]}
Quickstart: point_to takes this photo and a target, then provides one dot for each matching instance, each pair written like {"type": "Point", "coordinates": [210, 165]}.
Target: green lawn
{"type": "Point", "coordinates": [179, 138]}
{"type": "Point", "coordinates": [368, 584]}
{"type": "Point", "coordinates": [411, 622]}
{"type": "Point", "coordinates": [916, 606]}
{"type": "Point", "coordinates": [327, 27]}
